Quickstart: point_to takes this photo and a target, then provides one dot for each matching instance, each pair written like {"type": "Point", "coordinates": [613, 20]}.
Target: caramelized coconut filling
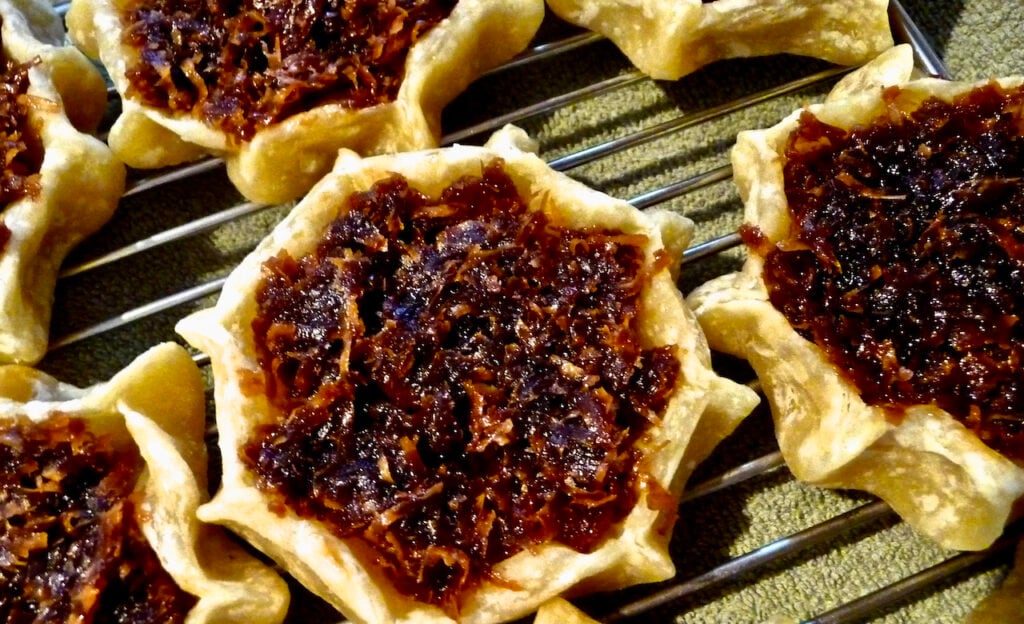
{"type": "Point", "coordinates": [22, 152]}
{"type": "Point", "coordinates": [70, 547]}
{"type": "Point", "coordinates": [460, 379]}
{"type": "Point", "coordinates": [906, 256]}
{"type": "Point", "coordinates": [243, 65]}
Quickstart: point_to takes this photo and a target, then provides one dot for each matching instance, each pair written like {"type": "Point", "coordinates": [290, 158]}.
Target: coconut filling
{"type": "Point", "coordinates": [71, 549]}
{"type": "Point", "coordinates": [460, 378]}
{"type": "Point", "coordinates": [906, 254]}
{"type": "Point", "coordinates": [23, 154]}
{"type": "Point", "coordinates": [241, 66]}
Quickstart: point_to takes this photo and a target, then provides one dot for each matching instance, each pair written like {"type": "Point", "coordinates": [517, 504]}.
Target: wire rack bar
{"type": "Point", "coordinates": [544, 51]}
{"type": "Point", "coordinates": [225, 216]}
{"type": "Point", "coordinates": [141, 312]}
{"type": "Point", "coordinates": [687, 185]}
{"type": "Point", "coordinates": [192, 228]}
{"type": "Point", "coordinates": [176, 174]}
{"type": "Point", "coordinates": [711, 247]}
{"type": "Point", "coordinates": [754, 560]}
{"type": "Point", "coordinates": [926, 56]}
{"type": "Point", "coordinates": [674, 125]}
{"type": "Point", "coordinates": [206, 223]}
{"type": "Point", "coordinates": [735, 476]}
{"type": "Point", "coordinates": [901, 591]}
{"type": "Point", "coordinates": [198, 226]}
{"type": "Point", "coordinates": [546, 106]}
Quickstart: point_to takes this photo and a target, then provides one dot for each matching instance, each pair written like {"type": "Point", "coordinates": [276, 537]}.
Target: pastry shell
{"type": "Point", "coordinates": [561, 611]}
{"type": "Point", "coordinates": [283, 160]}
{"type": "Point", "coordinates": [934, 472]}
{"type": "Point", "coordinates": [337, 569]}
{"type": "Point", "coordinates": [668, 39]}
{"type": "Point", "coordinates": [80, 181]}
{"type": "Point", "coordinates": [137, 410]}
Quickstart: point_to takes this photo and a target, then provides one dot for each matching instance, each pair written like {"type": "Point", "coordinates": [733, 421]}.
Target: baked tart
{"type": "Point", "coordinates": [59, 184]}
{"type": "Point", "coordinates": [99, 489]}
{"type": "Point", "coordinates": [880, 297]}
{"type": "Point", "coordinates": [277, 88]}
{"type": "Point", "coordinates": [668, 39]}
{"type": "Point", "coordinates": [454, 383]}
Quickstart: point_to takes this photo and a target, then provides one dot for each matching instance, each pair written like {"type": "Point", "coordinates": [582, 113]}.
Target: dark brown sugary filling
{"type": "Point", "coordinates": [906, 257]}
{"type": "Point", "coordinates": [241, 65]}
{"type": "Point", "coordinates": [462, 380]}
{"type": "Point", "coordinates": [70, 547]}
{"type": "Point", "coordinates": [22, 152]}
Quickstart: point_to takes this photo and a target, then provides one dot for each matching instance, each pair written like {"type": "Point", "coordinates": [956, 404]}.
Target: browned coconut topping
{"type": "Point", "coordinates": [22, 152]}
{"type": "Point", "coordinates": [461, 380]}
{"type": "Point", "coordinates": [70, 547]}
{"type": "Point", "coordinates": [241, 65]}
{"type": "Point", "coordinates": [906, 256]}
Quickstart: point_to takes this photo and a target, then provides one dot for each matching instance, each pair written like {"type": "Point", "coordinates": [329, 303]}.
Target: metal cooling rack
{"type": "Point", "coordinates": [135, 328]}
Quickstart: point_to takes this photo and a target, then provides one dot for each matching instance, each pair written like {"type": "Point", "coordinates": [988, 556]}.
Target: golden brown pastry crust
{"type": "Point", "coordinates": [167, 428]}
{"type": "Point", "coordinates": [935, 473]}
{"type": "Point", "coordinates": [335, 568]}
{"type": "Point", "coordinates": [667, 39]}
{"type": "Point", "coordinates": [283, 160]}
{"type": "Point", "coordinates": [561, 611]}
{"type": "Point", "coordinates": [80, 180]}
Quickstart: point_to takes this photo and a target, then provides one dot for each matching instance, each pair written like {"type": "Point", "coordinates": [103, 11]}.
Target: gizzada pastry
{"type": "Point", "coordinates": [880, 301]}
{"type": "Point", "coordinates": [277, 88]}
{"type": "Point", "coordinates": [453, 384]}
{"type": "Point", "coordinates": [98, 491]}
{"type": "Point", "coordinates": [668, 39]}
{"type": "Point", "coordinates": [58, 184]}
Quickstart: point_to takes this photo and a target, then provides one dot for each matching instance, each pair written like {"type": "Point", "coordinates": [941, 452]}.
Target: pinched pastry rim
{"type": "Point", "coordinates": [80, 180]}
{"type": "Point", "coordinates": [561, 611]}
{"type": "Point", "coordinates": [283, 160]}
{"type": "Point", "coordinates": [333, 567]}
{"type": "Point", "coordinates": [668, 39]}
{"type": "Point", "coordinates": [167, 428]}
{"type": "Point", "coordinates": [934, 472]}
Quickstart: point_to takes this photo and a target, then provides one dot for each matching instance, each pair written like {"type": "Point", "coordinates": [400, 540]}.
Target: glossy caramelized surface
{"type": "Point", "coordinates": [70, 546]}
{"type": "Point", "coordinates": [242, 65]}
{"type": "Point", "coordinates": [22, 154]}
{"type": "Point", "coordinates": [462, 380]}
{"type": "Point", "coordinates": [907, 254]}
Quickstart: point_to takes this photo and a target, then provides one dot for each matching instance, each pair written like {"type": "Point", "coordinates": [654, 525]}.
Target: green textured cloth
{"type": "Point", "coordinates": [977, 38]}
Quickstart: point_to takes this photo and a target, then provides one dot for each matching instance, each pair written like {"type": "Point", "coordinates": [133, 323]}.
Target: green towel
{"type": "Point", "coordinates": [977, 38]}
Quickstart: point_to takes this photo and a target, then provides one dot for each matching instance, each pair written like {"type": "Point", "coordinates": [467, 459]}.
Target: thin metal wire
{"type": "Point", "coordinates": [674, 125]}
{"type": "Point", "coordinates": [924, 54]}
{"type": "Point", "coordinates": [734, 476]}
{"type": "Point", "coordinates": [755, 560]}
{"type": "Point", "coordinates": [711, 247]}
{"type": "Point", "coordinates": [687, 185]}
{"type": "Point", "coordinates": [192, 228]}
{"type": "Point", "coordinates": [873, 603]}
{"type": "Point", "coordinates": [176, 174]}
{"type": "Point", "coordinates": [544, 51]}
{"type": "Point", "coordinates": [137, 314]}
{"type": "Point", "coordinates": [546, 106]}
